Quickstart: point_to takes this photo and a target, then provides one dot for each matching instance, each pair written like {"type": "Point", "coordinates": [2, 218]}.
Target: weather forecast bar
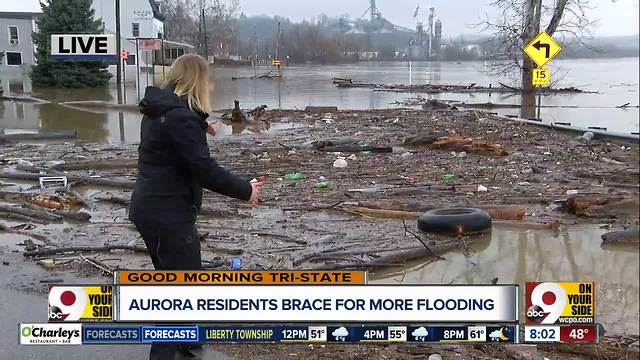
{"type": "Point", "coordinates": [130, 334]}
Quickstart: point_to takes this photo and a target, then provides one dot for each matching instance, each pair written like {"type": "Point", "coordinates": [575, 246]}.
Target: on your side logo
{"type": "Point", "coordinates": [559, 302]}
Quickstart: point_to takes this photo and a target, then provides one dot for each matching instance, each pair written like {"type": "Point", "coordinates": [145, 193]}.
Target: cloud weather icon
{"type": "Point", "coordinates": [497, 335]}
{"type": "Point", "coordinates": [420, 334]}
{"type": "Point", "coordinates": [340, 333]}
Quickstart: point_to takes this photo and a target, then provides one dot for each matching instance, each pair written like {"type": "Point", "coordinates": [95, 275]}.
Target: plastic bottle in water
{"type": "Point", "coordinates": [236, 264]}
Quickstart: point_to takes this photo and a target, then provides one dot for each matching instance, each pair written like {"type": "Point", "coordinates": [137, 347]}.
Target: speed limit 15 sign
{"type": "Point", "coordinates": [541, 77]}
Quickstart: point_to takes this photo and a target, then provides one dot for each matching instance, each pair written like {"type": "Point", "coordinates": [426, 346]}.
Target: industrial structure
{"type": "Point", "coordinates": [423, 43]}
{"type": "Point", "coordinates": [428, 41]}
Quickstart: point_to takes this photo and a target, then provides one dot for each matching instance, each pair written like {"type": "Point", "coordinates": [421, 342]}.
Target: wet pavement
{"type": "Point", "coordinates": [19, 306]}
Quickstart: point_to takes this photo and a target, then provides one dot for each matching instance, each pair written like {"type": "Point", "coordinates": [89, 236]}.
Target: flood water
{"type": "Point", "coordinates": [517, 256]}
{"type": "Point", "coordinates": [616, 81]}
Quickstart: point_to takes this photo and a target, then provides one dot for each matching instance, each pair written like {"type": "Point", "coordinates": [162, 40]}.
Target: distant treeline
{"type": "Point", "coordinates": [325, 39]}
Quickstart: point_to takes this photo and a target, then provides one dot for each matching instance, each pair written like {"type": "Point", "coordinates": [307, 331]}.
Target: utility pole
{"type": "Point", "coordinates": [204, 33]}
{"type": "Point", "coordinates": [277, 48]}
{"type": "Point", "coordinates": [255, 51]}
{"type": "Point", "coordinates": [119, 63]}
{"type": "Point", "coordinates": [278, 41]}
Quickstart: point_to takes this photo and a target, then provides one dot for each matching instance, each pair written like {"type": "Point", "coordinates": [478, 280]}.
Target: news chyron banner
{"type": "Point", "coordinates": [316, 303]}
{"type": "Point", "coordinates": [277, 296]}
{"type": "Point", "coordinates": [80, 303]}
{"type": "Point", "coordinates": [240, 277]}
{"type": "Point", "coordinates": [93, 303]}
{"type": "Point", "coordinates": [560, 303]}
{"type": "Point", "coordinates": [302, 296]}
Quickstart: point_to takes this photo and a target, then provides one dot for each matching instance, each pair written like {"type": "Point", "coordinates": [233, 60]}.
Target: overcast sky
{"type": "Point", "coordinates": [616, 17]}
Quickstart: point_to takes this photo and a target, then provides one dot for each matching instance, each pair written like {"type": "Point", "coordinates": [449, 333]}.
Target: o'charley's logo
{"type": "Point", "coordinates": [48, 334]}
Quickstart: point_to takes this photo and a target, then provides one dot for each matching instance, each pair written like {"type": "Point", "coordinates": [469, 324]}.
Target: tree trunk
{"type": "Point", "coordinates": [557, 16]}
{"type": "Point", "coordinates": [531, 29]}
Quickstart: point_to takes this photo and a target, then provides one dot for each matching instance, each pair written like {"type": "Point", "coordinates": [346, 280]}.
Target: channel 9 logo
{"type": "Point", "coordinates": [560, 302]}
{"type": "Point", "coordinates": [80, 303]}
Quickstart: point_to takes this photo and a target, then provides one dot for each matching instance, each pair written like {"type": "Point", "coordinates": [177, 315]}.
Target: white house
{"type": "Point", "coordinates": [138, 18]}
{"type": "Point", "coordinates": [141, 19]}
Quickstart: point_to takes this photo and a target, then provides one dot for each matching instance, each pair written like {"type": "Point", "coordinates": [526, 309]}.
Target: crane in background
{"type": "Point", "coordinates": [378, 20]}
{"type": "Point", "coordinates": [373, 11]}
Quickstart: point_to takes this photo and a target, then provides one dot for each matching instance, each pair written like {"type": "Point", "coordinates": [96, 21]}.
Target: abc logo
{"type": "Point", "coordinates": [535, 314]}
{"type": "Point", "coordinates": [66, 303]}
{"type": "Point", "coordinates": [55, 314]}
{"type": "Point", "coordinates": [547, 302]}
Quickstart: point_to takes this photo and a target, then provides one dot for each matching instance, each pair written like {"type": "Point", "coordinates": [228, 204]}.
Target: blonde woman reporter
{"type": "Point", "coordinates": [174, 165]}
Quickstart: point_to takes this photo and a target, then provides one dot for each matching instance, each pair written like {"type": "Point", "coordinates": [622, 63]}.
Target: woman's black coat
{"type": "Point", "coordinates": [174, 163]}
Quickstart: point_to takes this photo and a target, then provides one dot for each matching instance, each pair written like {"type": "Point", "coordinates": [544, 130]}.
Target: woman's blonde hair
{"type": "Point", "coordinates": [189, 74]}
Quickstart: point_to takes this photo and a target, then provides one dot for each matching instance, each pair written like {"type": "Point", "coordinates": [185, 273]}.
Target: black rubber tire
{"type": "Point", "coordinates": [452, 220]}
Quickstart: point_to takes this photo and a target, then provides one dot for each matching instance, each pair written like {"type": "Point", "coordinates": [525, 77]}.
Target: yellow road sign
{"type": "Point", "coordinates": [276, 62]}
{"type": "Point", "coordinates": [541, 77]}
{"type": "Point", "coordinates": [542, 49]}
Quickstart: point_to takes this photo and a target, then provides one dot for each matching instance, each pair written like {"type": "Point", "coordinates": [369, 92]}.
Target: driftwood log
{"type": "Point", "coordinates": [106, 248]}
{"type": "Point", "coordinates": [36, 214]}
{"type": "Point", "coordinates": [320, 109]}
{"type": "Point", "coordinates": [128, 184]}
{"type": "Point", "coordinates": [497, 212]}
{"type": "Point", "coordinates": [20, 217]}
{"type": "Point", "coordinates": [114, 199]}
{"type": "Point", "coordinates": [383, 213]}
{"type": "Point", "coordinates": [440, 88]}
{"type": "Point", "coordinates": [98, 164]}
{"type": "Point", "coordinates": [401, 257]}
{"type": "Point", "coordinates": [357, 148]}
{"type": "Point", "coordinates": [71, 215]}
{"type": "Point", "coordinates": [204, 210]}
{"type": "Point", "coordinates": [54, 135]}
{"type": "Point", "coordinates": [9, 230]}
{"type": "Point", "coordinates": [602, 205]}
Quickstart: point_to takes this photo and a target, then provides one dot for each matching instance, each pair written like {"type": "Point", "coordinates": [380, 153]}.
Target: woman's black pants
{"type": "Point", "coordinates": [171, 247]}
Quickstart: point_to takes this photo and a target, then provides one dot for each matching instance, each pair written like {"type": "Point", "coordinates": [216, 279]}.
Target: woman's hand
{"type": "Point", "coordinates": [211, 129]}
{"type": "Point", "coordinates": [256, 186]}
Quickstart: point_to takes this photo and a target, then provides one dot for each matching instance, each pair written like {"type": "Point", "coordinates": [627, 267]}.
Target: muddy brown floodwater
{"type": "Point", "coordinates": [566, 193]}
{"type": "Point", "coordinates": [574, 253]}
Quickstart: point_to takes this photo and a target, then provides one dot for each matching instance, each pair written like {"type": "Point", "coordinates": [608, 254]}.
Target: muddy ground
{"type": "Point", "coordinates": [336, 217]}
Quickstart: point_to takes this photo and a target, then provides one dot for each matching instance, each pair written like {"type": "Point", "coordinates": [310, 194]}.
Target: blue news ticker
{"type": "Point", "coordinates": [84, 57]}
{"type": "Point", "coordinates": [101, 334]}
{"type": "Point", "coordinates": [170, 334]}
{"type": "Point", "coordinates": [104, 334]}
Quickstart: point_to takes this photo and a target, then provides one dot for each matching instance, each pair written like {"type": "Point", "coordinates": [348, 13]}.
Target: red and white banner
{"type": "Point", "coordinates": [149, 44]}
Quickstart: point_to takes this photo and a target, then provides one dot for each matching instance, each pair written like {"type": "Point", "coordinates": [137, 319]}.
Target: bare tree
{"type": "Point", "coordinates": [184, 23]}
{"type": "Point", "coordinates": [221, 32]}
{"type": "Point", "coordinates": [519, 21]}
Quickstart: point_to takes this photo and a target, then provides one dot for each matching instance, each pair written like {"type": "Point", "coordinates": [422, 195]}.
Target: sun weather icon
{"type": "Point", "coordinates": [340, 333]}
{"type": "Point", "coordinates": [499, 335]}
{"type": "Point", "coordinates": [420, 334]}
